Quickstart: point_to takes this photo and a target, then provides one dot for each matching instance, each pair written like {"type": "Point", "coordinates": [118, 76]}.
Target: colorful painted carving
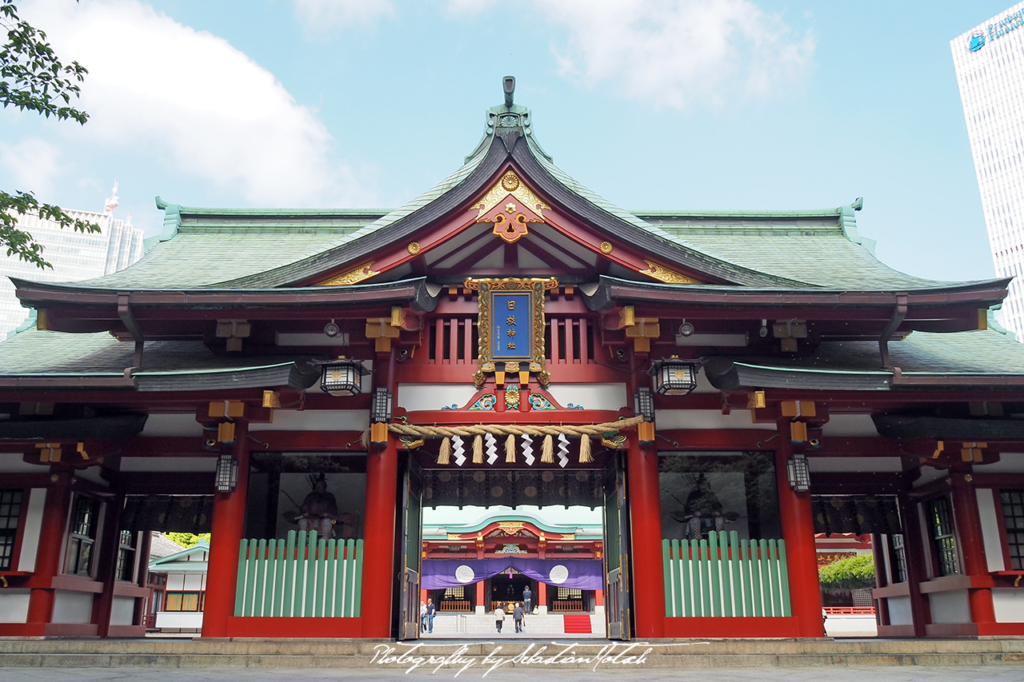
{"type": "Point", "coordinates": [510, 205]}
{"type": "Point", "coordinates": [540, 402]}
{"type": "Point", "coordinates": [485, 402]}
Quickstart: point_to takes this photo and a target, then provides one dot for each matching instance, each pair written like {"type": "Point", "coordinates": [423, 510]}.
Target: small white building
{"type": "Point", "coordinates": [179, 605]}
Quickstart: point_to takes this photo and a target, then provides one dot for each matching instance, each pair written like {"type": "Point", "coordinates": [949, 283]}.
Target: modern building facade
{"type": "Point", "coordinates": [74, 256]}
{"type": "Point", "coordinates": [989, 62]}
{"type": "Point", "coordinates": [721, 386]}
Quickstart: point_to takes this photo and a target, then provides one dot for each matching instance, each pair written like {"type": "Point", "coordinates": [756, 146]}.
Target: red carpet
{"type": "Point", "coordinates": [577, 624]}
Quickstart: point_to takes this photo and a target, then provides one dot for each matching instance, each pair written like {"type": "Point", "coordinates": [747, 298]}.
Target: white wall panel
{"type": "Point", "coordinates": [591, 396]}
{"type": "Point", "coordinates": [14, 463]}
{"type": "Point", "coordinates": [193, 582]}
{"type": "Point", "coordinates": [849, 425]}
{"type": "Point", "coordinates": [316, 420]}
{"type": "Point", "coordinates": [990, 529]}
{"type": "Point", "coordinates": [122, 611]}
{"type": "Point", "coordinates": [14, 606]}
{"type": "Point", "coordinates": [899, 611]}
{"type": "Point", "coordinates": [825, 464]}
{"type": "Point", "coordinates": [1009, 463]}
{"type": "Point", "coordinates": [172, 425]}
{"type": "Point", "coordinates": [950, 607]}
{"type": "Point", "coordinates": [706, 419]}
{"type": "Point", "coordinates": [1009, 604]}
{"type": "Point", "coordinates": [72, 607]}
{"type": "Point", "coordinates": [435, 396]}
{"type": "Point", "coordinates": [33, 527]}
{"type": "Point", "coordinates": [187, 620]}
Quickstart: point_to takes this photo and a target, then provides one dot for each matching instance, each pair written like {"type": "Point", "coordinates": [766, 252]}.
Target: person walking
{"type": "Point", "coordinates": [423, 617]}
{"type": "Point", "coordinates": [431, 610]}
{"type": "Point", "coordinates": [527, 600]}
{"type": "Point", "coordinates": [499, 618]}
{"type": "Point", "coordinates": [517, 616]}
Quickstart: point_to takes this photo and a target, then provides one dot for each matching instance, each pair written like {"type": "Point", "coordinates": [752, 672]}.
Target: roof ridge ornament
{"type": "Point", "coordinates": [508, 84]}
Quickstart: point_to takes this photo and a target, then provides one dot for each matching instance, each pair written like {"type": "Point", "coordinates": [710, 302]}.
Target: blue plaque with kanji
{"type": "Point", "coordinates": [512, 331]}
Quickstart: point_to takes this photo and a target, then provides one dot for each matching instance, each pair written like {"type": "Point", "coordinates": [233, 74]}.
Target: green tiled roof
{"type": "Point", "coordinates": [231, 248]}
{"type": "Point", "coordinates": [45, 353]}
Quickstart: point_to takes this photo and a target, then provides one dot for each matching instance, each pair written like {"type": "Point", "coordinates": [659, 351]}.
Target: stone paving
{"type": "Point", "coordinates": [815, 674]}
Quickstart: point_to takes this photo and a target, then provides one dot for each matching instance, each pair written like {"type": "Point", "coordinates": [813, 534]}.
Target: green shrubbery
{"type": "Point", "coordinates": [848, 574]}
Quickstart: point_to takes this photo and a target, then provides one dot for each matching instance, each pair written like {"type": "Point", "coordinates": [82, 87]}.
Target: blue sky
{"type": "Point", "coordinates": [724, 104]}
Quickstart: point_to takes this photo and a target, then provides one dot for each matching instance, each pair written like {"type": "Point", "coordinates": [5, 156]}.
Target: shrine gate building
{"type": "Point", "coordinates": [302, 383]}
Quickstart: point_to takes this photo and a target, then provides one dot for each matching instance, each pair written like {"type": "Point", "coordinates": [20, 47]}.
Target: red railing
{"type": "Point", "coordinates": [849, 610]}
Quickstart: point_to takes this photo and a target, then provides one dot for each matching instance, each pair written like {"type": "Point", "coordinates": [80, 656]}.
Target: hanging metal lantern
{"type": "Point", "coordinates": [643, 404]}
{"type": "Point", "coordinates": [798, 473]}
{"type": "Point", "coordinates": [342, 377]}
{"type": "Point", "coordinates": [673, 376]}
{"type": "Point", "coordinates": [380, 411]}
{"type": "Point", "coordinates": [226, 477]}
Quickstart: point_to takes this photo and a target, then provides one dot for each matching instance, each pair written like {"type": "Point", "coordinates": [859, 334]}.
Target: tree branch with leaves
{"type": "Point", "coordinates": [32, 78]}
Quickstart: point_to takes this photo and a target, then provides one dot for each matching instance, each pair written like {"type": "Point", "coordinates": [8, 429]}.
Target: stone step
{"type": "Point", "coordinates": [222, 653]}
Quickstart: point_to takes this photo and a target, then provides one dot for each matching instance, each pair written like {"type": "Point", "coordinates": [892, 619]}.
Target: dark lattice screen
{"type": "Point", "coordinates": [943, 538]}
{"type": "Point", "coordinates": [1013, 517]}
{"type": "Point", "coordinates": [10, 512]}
{"type": "Point", "coordinates": [488, 488]}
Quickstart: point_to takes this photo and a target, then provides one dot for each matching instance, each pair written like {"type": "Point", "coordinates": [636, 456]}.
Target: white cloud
{"type": "Point", "coordinates": [318, 16]}
{"type": "Point", "coordinates": [169, 91]}
{"type": "Point", "coordinates": [678, 54]}
{"type": "Point", "coordinates": [33, 165]}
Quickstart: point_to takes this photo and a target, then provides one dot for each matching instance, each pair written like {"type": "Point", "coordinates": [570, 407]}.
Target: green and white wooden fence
{"type": "Point", "coordinates": [724, 576]}
{"type": "Point", "coordinates": [299, 577]}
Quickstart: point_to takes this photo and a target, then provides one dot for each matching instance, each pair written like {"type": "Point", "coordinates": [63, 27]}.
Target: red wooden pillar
{"type": "Point", "coordinates": [481, 606]}
{"type": "Point", "coordinates": [106, 572]}
{"type": "Point", "coordinates": [644, 500]}
{"type": "Point", "coordinates": [51, 542]}
{"type": "Point", "coordinates": [913, 552]}
{"type": "Point", "coordinates": [142, 606]}
{"type": "Point", "coordinates": [542, 597]}
{"type": "Point", "coordinates": [798, 532]}
{"type": "Point", "coordinates": [226, 534]}
{"type": "Point", "coordinates": [968, 526]}
{"type": "Point", "coordinates": [379, 540]}
{"type": "Point", "coordinates": [598, 597]}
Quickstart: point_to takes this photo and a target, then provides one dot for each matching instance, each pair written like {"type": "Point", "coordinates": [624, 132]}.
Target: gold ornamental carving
{"type": "Point", "coordinates": [606, 247]}
{"type": "Point", "coordinates": [510, 206]}
{"type": "Point", "coordinates": [353, 276]}
{"type": "Point", "coordinates": [511, 185]}
{"type": "Point", "coordinates": [666, 275]}
{"type": "Point", "coordinates": [413, 248]}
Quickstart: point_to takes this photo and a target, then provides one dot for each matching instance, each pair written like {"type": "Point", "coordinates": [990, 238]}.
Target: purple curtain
{"type": "Point", "coordinates": [579, 574]}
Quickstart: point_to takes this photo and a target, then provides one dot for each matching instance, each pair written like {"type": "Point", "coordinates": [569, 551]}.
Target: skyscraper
{"type": "Point", "coordinates": [74, 255]}
{"type": "Point", "coordinates": [989, 61]}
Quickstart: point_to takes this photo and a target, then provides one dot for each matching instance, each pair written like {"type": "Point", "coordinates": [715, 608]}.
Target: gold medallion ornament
{"type": "Point", "coordinates": [510, 206]}
{"type": "Point", "coordinates": [606, 247]}
{"type": "Point", "coordinates": [353, 276]}
{"type": "Point", "coordinates": [661, 273]}
{"type": "Point", "coordinates": [413, 248]}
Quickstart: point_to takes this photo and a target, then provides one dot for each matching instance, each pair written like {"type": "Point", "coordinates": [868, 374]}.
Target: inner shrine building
{"type": "Point", "coordinates": [302, 384]}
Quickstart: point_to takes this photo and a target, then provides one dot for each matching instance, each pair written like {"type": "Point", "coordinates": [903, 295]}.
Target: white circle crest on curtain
{"type": "Point", "coordinates": [464, 574]}
{"type": "Point", "coordinates": [559, 574]}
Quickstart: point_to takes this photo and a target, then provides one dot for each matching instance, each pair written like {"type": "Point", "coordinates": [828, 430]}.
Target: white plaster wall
{"type": "Point", "coordinates": [703, 385]}
{"type": "Point", "coordinates": [14, 463]}
{"type": "Point", "coordinates": [435, 396]}
{"type": "Point", "coordinates": [929, 474]}
{"type": "Point", "coordinates": [168, 464]}
{"type": "Point", "coordinates": [189, 620]}
{"type": "Point", "coordinates": [72, 607]}
{"type": "Point", "coordinates": [193, 582]}
{"type": "Point", "coordinates": [825, 464]}
{"type": "Point", "coordinates": [14, 606]}
{"type": "Point", "coordinates": [591, 396]}
{"type": "Point", "coordinates": [851, 626]}
{"type": "Point", "coordinates": [172, 425]}
{"type": "Point", "coordinates": [1009, 604]}
{"type": "Point", "coordinates": [316, 420]}
{"type": "Point", "coordinates": [950, 607]}
{"type": "Point", "coordinates": [175, 582]}
{"type": "Point", "coordinates": [707, 419]}
{"type": "Point", "coordinates": [122, 610]}
{"type": "Point", "coordinates": [990, 529]}
{"type": "Point", "coordinates": [33, 527]}
{"type": "Point", "coordinates": [1009, 463]}
{"type": "Point", "coordinates": [92, 474]}
{"type": "Point", "coordinates": [899, 611]}
{"type": "Point", "coordinates": [849, 425]}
